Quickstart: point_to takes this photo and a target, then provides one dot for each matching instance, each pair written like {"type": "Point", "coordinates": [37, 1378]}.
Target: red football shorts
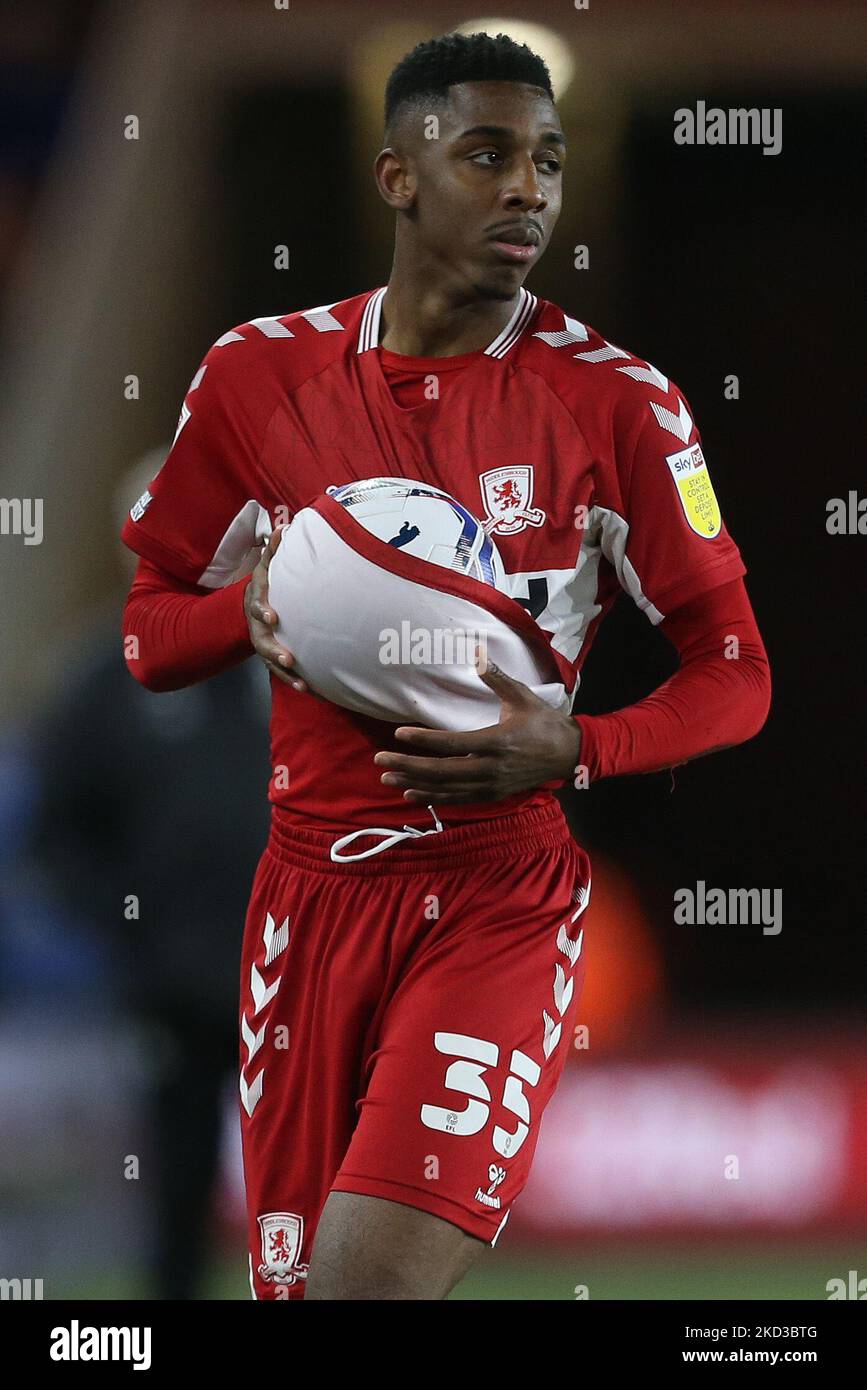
{"type": "Point", "coordinates": [404, 1022]}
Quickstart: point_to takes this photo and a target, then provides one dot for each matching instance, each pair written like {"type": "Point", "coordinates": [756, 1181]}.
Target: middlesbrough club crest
{"type": "Point", "coordinates": [508, 497]}
{"type": "Point", "coordinates": [282, 1239]}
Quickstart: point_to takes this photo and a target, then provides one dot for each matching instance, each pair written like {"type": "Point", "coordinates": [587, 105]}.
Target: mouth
{"type": "Point", "coordinates": [518, 244]}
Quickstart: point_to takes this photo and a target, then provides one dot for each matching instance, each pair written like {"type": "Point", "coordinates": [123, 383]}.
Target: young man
{"type": "Point", "coordinates": [405, 1018]}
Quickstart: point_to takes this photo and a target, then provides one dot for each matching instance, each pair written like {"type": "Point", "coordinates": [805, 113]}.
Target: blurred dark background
{"type": "Point", "coordinates": [118, 257]}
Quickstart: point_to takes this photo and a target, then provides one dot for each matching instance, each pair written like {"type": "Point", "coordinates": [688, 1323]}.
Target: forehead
{"type": "Point", "coordinates": [513, 104]}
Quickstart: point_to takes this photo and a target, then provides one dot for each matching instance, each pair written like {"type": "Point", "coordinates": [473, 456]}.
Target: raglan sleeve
{"type": "Point", "coordinates": [671, 544]}
{"type": "Point", "coordinates": [205, 515]}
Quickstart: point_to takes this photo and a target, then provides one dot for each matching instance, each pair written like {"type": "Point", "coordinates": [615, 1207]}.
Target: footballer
{"type": "Point", "coordinates": [407, 1003]}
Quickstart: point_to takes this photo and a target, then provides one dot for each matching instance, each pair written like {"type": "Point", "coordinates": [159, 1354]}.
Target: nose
{"type": "Point", "coordinates": [524, 189]}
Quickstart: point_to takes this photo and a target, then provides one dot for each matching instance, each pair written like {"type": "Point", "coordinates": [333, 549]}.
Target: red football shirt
{"type": "Point", "coordinates": [583, 459]}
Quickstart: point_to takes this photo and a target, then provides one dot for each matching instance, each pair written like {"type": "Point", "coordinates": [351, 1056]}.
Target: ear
{"type": "Point", "coordinates": [394, 179]}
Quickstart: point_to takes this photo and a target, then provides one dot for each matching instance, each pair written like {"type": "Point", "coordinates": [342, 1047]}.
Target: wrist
{"type": "Point", "coordinates": [571, 753]}
{"type": "Point", "coordinates": [588, 760]}
{"type": "Point", "coordinates": [577, 744]}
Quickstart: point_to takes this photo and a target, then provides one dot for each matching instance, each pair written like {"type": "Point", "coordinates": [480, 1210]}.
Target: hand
{"type": "Point", "coordinates": [261, 619]}
{"type": "Point", "coordinates": [531, 744]}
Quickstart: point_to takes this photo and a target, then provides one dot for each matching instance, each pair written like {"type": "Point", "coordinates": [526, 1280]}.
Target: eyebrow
{"type": "Point", "coordinates": [500, 132]}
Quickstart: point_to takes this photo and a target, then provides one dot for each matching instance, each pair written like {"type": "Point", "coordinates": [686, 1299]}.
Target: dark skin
{"type": "Point", "coordinates": [496, 166]}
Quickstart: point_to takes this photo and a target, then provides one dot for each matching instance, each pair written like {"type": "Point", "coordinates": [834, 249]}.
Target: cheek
{"type": "Point", "coordinates": [448, 214]}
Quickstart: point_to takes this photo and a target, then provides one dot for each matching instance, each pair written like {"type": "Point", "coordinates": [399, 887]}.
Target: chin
{"type": "Point", "coordinates": [499, 287]}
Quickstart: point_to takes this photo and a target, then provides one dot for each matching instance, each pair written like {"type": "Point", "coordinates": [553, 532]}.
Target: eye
{"type": "Point", "coordinates": [486, 154]}
{"type": "Point", "coordinates": [553, 165]}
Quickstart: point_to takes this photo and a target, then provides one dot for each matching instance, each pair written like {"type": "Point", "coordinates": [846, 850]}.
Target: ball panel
{"type": "Point", "coordinates": [425, 522]}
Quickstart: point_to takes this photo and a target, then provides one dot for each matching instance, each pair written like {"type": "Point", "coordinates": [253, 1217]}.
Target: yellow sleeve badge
{"type": "Point", "coordinates": [695, 489]}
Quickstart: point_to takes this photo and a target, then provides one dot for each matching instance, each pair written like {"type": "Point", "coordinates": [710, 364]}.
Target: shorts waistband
{"type": "Point", "coordinates": [456, 846]}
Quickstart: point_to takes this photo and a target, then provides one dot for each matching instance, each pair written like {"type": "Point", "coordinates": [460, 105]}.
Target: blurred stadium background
{"type": "Point", "coordinates": [125, 258]}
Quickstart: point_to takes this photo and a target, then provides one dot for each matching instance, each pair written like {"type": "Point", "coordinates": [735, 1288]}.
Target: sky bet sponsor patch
{"type": "Point", "coordinates": [695, 489]}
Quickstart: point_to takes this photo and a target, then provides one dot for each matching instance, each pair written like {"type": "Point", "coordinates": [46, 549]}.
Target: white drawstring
{"type": "Point", "coordinates": [409, 832]}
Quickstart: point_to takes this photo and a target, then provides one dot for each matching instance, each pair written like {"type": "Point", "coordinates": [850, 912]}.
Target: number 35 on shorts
{"type": "Point", "coordinates": [465, 1076]}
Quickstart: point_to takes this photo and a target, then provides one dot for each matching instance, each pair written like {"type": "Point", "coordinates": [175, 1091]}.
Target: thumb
{"type": "Point", "coordinates": [269, 549]}
{"type": "Point", "coordinates": [509, 690]}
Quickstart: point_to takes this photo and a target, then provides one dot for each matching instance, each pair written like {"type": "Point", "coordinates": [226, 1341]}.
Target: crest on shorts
{"type": "Point", "coordinates": [282, 1239]}
{"type": "Point", "coordinates": [508, 497]}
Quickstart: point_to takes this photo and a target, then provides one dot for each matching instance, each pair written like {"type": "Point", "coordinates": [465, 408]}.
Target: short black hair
{"type": "Point", "coordinates": [432, 67]}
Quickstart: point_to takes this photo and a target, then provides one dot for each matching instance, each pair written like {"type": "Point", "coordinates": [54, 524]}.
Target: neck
{"type": "Point", "coordinates": [422, 318]}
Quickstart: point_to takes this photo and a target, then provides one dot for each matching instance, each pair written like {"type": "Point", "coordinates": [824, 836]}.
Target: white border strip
{"type": "Point", "coordinates": [368, 334]}
{"type": "Point", "coordinates": [515, 327]}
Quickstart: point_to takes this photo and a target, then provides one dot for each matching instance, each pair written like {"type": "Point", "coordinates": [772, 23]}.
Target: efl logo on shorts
{"type": "Point", "coordinates": [282, 1240]}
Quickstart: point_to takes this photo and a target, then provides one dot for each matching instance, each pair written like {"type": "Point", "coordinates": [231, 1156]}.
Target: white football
{"type": "Point", "coordinates": [424, 521]}
{"type": "Point", "coordinates": [376, 641]}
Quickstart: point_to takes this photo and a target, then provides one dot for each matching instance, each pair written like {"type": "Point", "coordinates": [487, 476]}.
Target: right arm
{"type": "Point", "coordinates": [195, 607]}
{"type": "Point", "coordinates": [176, 633]}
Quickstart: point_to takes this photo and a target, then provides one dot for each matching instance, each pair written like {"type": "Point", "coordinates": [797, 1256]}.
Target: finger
{"type": "Point", "coordinates": [285, 673]}
{"type": "Point", "coordinates": [278, 659]}
{"type": "Point", "coordinates": [269, 648]}
{"type": "Point", "coordinates": [258, 604]}
{"type": "Point", "coordinates": [509, 690]}
{"type": "Point", "coordinates": [413, 772]}
{"type": "Point", "coordinates": [445, 741]}
{"type": "Point", "coordinates": [259, 609]}
{"type": "Point", "coordinates": [260, 573]}
{"type": "Point", "coordinates": [279, 671]}
{"type": "Point", "coordinates": [287, 677]}
{"type": "Point", "coordinates": [417, 796]}
{"type": "Point", "coordinates": [272, 544]}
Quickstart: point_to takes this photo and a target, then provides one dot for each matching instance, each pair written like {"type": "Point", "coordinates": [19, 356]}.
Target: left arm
{"type": "Point", "coordinates": [719, 696]}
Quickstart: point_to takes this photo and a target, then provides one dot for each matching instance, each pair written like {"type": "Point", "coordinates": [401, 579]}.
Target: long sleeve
{"type": "Point", "coordinates": [719, 696]}
{"type": "Point", "coordinates": [177, 633]}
